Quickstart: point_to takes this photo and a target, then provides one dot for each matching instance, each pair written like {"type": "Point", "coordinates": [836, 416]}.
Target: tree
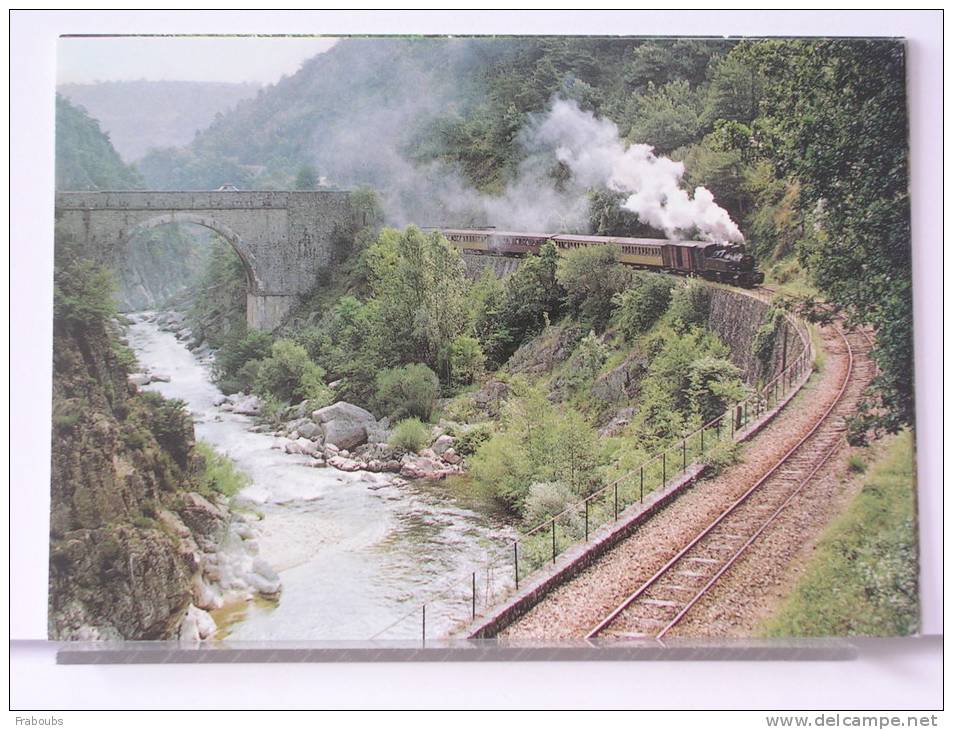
{"type": "Point", "coordinates": [467, 361]}
{"type": "Point", "coordinates": [306, 179]}
{"type": "Point", "coordinates": [418, 304]}
{"type": "Point", "coordinates": [533, 298]}
{"type": "Point", "coordinates": [591, 277]}
{"type": "Point", "coordinates": [641, 306]}
{"type": "Point", "coordinates": [410, 391]}
{"type": "Point", "coordinates": [667, 117]}
{"type": "Point", "coordinates": [85, 158]}
{"type": "Point", "coordinates": [837, 111]}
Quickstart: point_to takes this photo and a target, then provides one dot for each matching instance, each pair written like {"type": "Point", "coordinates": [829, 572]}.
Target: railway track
{"type": "Point", "coordinates": [663, 601]}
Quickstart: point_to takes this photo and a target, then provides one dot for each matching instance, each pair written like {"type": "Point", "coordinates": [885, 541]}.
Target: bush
{"type": "Point", "coordinates": [290, 375]}
{"type": "Point", "coordinates": [219, 473]}
{"type": "Point", "coordinates": [722, 456]}
{"type": "Point", "coordinates": [856, 463]}
{"type": "Point", "coordinates": [467, 442]}
{"type": "Point", "coordinates": [170, 424]}
{"type": "Point", "coordinates": [545, 500]}
{"type": "Point", "coordinates": [467, 360]}
{"type": "Point", "coordinates": [236, 362]}
{"type": "Point", "coordinates": [690, 305]}
{"type": "Point", "coordinates": [642, 306]}
{"type": "Point", "coordinates": [411, 434]}
{"type": "Point", "coordinates": [591, 278]}
{"type": "Point", "coordinates": [410, 391]}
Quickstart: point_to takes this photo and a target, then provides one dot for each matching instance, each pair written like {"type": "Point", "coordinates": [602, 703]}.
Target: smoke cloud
{"type": "Point", "coordinates": [379, 147]}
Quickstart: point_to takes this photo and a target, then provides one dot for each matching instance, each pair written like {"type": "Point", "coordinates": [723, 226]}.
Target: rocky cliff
{"type": "Point", "coordinates": [129, 530]}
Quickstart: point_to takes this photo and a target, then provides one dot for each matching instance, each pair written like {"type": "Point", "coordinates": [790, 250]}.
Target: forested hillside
{"type": "Point", "coordinates": [802, 142]}
{"type": "Point", "coordinates": [138, 115]}
{"type": "Point", "coordinates": [85, 158]}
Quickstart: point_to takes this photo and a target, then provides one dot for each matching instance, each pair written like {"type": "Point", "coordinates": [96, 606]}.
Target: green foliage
{"type": "Point", "coordinates": [218, 311]}
{"type": "Point", "coordinates": [537, 443]}
{"type": "Point", "coordinates": [668, 117]}
{"type": "Point", "coordinates": [170, 424]}
{"type": "Point", "coordinates": [469, 440]}
{"type": "Point", "coordinates": [691, 303]}
{"type": "Point", "coordinates": [218, 473]}
{"type": "Point", "coordinates": [236, 362]}
{"type": "Point", "coordinates": [486, 299]}
{"type": "Point", "coordinates": [419, 302]}
{"type": "Point", "coordinates": [532, 299]}
{"type": "Point", "coordinates": [307, 178]}
{"type": "Point", "coordinates": [721, 456]}
{"type": "Point", "coordinates": [856, 463]}
{"type": "Point", "coordinates": [82, 291]}
{"type": "Point", "coordinates": [407, 391]}
{"type": "Point", "coordinates": [837, 120]}
{"type": "Point", "coordinates": [590, 355]}
{"type": "Point", "coordinates": [591, 277]}
{"type": "Point", "coordinates": [289, 375]}
{"type": "Point", "coordinates": [767, 336]}
{"type": "Point", "coordinates": [410, 434]}
{"type": "Point", "coordinates": [641, 306]}
{"type": "Point", "coordinates": [863, 576]}
{"type": "Point", "coordinates": [715, 384]}
{"type": "Point", "coordinates": [545, 500]}
{"type": "Point", "coordinates": [467, 361]}
{"type": "Point", "coordinates": [85, 158]}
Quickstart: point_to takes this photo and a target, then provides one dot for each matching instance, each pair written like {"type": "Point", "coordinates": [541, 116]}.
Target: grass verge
{"type": "Point", "coordinates": [863, 577]}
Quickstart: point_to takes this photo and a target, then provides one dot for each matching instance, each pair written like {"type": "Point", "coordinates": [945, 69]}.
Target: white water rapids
{"type": "Point", "coordinates": [354, 552]}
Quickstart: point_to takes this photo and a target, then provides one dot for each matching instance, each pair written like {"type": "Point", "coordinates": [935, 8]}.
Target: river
{"type": "Point", "coordinates": [354, 552]}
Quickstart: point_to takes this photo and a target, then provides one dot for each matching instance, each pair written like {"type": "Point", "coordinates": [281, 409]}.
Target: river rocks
{"type": "Point", "coordinates": [423, 467]}
{"type": "Point", "coordinates": [246, 405]}
{"type": "Point", "coordinates": [343, 424]}
{"type": "Point", "coordinates": [309, 429]}
{"type": "Point", "coordinates": [160, 378]}
{"type": "Point", "coordinates": [451, 457]}
{"type": "Point", "coordinates": [442, 443]}
{"type": "Point", "coordinates": [140, 379]}
{"type": "Point", "coordinates": [197, 625]}
{"type": "Point", "coordinates": [344, 464]}
{"type": "Point", "coordinates": [205, 596]}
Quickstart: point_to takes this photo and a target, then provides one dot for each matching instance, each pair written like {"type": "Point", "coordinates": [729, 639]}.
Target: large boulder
{"type": "Point", "coordinates": [344, 425]}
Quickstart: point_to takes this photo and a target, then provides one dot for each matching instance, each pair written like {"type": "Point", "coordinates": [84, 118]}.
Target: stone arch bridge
{"type": "Point", "coordinates": [283, 238]}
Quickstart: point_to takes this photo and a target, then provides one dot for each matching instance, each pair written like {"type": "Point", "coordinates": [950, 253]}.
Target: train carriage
{"type": "Point", "coordinates": [724, 262]}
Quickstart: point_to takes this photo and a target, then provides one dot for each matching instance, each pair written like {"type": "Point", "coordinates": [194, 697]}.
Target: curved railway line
{"type": "Point", "coordinates": [659, 604]}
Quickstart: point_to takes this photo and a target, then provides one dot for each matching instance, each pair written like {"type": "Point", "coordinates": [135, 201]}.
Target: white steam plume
{"type": "Point", "coordinates": [594, 153]}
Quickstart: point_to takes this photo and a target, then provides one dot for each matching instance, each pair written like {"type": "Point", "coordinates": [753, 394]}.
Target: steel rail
{"type": "Point", "coordinates": [608, 620]}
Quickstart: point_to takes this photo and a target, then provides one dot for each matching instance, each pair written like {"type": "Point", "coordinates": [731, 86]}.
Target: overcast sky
{"type": "Point", "coordinates": [181, 58]}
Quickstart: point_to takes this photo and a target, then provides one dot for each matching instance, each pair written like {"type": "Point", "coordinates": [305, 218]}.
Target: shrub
{"type": "Point", "coordinates": [591, 278]}
{"type": "Point", "coordinates": [719, 458]}
{"type": "Point", "coordinates": [233, 370]}
{"type": "Point", "coordinates": [856, 463]}
{"type": "Point", "coordinates": [545, 500]}
{"type": "Point", "coordinates": [467, 442]}
{"type": "Point", "coordinates": [467, 360]}
{"type": "Point", "coordinates": [170, 424]}
{"type": "Point", "coordinates": [640, 307]}
{"type": "Point", "coordinates": [290, 375]}
{"type": "Point", "coordinates": [219, 473]}
{"type": "Point", "coordinates": [714, 384]}
{"type": "Point", "coordinates": [410, 391]}
{"type": "Point", "coordinates": [411, 434]}
{"type": "Point", "coordinates": [690, 305]}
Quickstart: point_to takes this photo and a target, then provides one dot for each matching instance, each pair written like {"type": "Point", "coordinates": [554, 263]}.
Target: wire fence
{"type": "Point", "coordinates": [466, 598]}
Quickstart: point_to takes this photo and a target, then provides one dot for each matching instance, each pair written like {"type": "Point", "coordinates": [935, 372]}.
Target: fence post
{"type": "Point", "coordinates": [732, 428]}
{"type": "Point", "coordinates": [641, 483]}
{"type": "Point", "coordinates": [617, 500]}
{"type": "Point", "coordinates": [703, 439]}
{"type": "Point", "coordinates": [473, 576]}
{"type": "Point", "coordinates": [684, 456]}
{"type": "Point", "coordinates": [664, 471]}
{"type": "Point", "coordinates": [745, 415]}
{"type": "Point", "coordinates": [516, 562]}
{"type": "Point", "coordinates": [554, 540]}
{"type": "Point", "coordinates": [423, 625]}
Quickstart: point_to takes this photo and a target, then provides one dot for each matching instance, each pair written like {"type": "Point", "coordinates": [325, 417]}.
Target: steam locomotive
{"type": "Point", "coordinates": [724, 262]}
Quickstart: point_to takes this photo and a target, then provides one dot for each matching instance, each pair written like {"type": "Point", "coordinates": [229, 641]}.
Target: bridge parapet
{"type": "Point", "coordinates": [284, 238]}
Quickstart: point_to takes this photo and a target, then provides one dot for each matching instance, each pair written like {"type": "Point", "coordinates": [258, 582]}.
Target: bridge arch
{"type": "Point", "coordinates": [247, 258]}
{"type": "Point", "coordinates": [284, 238]}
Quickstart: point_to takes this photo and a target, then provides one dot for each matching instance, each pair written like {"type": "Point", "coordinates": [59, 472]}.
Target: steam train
{"type": "Point", "coordinates": [724, 262]}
